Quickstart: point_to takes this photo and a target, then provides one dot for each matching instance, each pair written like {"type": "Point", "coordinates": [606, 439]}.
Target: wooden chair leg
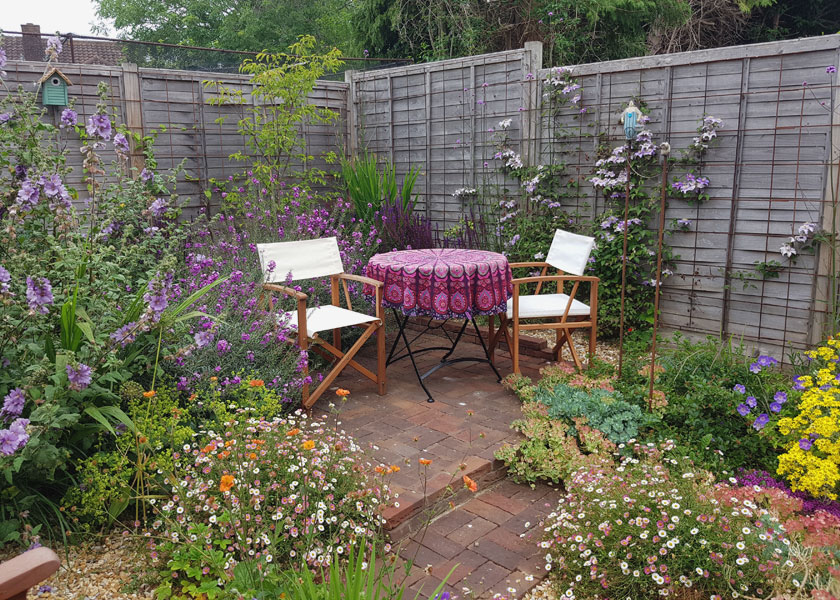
{"type": "Point", "coordinates": [380, 359]}
{"type": "Point", "coordinates": [571, 342]}
{"type": "Point", "coordinates": [514, 350]}
{"type": "Point", "coordinates": [339, 366]}
{"type": "Point", "coordinates": [593, 331]}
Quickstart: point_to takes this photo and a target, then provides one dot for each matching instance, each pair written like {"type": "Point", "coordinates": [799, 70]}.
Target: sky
{"type": "Point", "coordinates": [66, 16]}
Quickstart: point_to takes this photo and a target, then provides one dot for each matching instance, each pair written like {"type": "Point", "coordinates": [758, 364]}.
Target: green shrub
{"type": "Point", "coordinates": [605, 411]}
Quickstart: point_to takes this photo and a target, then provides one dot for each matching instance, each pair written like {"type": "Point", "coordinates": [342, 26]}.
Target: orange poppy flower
{"type": "Point", "coordinates": [342, 392]}
{"type": "Point", "coordinates": [149, 394]}
{"type": "Point", "coordinates": [293, 432]}
{"type": "Point", "coordinates": [308, 445]}
{"type": "Point", "coordinates": [425, 462]}
{"type": "Point", "coordinates": [227, 483]}
{"type": "Point", "coordinates": [256, 383]}
{"type": "Point", "coordinates": [470, 484]}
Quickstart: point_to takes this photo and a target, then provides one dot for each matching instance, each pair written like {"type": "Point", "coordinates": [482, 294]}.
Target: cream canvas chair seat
{"type": "Point", "coordinates": [324, 318]}
{"type": "Point", "coordinates": [283, 262]}
{"type": "Point", "coordinates": [569, 255]}
{"type": "Point", "coordinates": [545, 306]}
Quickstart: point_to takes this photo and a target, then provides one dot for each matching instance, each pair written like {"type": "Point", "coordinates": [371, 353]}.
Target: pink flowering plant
{"type": "Point", "coordinates": [259, 496]}
{"type": "Point", "coordinates": [653, 527]}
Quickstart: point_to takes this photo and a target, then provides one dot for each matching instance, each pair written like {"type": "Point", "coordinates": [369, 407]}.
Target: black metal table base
{"type": "Point", "coordinates": [445, 360]}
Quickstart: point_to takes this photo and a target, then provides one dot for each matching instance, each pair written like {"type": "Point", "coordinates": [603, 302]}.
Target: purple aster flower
{"type": "Point", "coordinates": [775, 407]}
{"type": "Point", "coordinates": [79, 376]}
{"type": "Point", "coordinates": [99, 125]}
{"type": "Point", "coordinates": [755, 368]}
{"type": "Point", "coordinates": [39, 294]}
{"type": "Point", "coordinates": [751, 402]}
{"type": "Point", "coordinates": [760, 421]}
{"type": "Point", "coordinates": [780, 397]}
{"type": "Point", "coordinates": [13, 404]}
{"type": "Point", "coordinates": [743, 410]}
{"type": "Point", "coordinates": [222, 346]}
{"type": "Point", "coordinates": [146, 175]}
{"type": "Point", "coordinates": [158, 207]}
{"type": "Point", "coordinates": [805, 444]}
{"type": "Point", "coordinates": [125, 334]}
{"type": "Point", "coordinates": [739, 387]}
{"type": "Point", "coordinates": [766, 361]}
{"type": "Point", "coordinates": [28, 195]}
{"type": "Point", "coordinates": [5, 118]}
{"type": "Point", "coordinates": [69, 118]}
{"type": "Point", "coordinates": [5, 278]}
{"type": "Point", "coordinates": [829, 69]}
{"type": "Point", "coordinates": [203, 338]}
{"type": "Point", "coordinates": [121, 144]}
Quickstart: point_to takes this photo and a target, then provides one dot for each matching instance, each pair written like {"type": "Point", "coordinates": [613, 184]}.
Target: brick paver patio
{"type": "Point", "coordinates": [490, 534]}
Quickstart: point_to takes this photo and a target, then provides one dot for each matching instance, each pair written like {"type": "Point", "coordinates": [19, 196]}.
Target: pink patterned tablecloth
{"type": "Point", "coordinates": [443, 283]}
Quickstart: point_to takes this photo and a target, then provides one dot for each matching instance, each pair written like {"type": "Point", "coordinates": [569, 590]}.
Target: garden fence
{"type": "Point", "coordinates": [776, 163]}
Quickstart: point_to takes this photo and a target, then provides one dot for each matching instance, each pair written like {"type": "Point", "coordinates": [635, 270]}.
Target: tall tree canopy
{"type": "Point", "coordinates": [252, 25]}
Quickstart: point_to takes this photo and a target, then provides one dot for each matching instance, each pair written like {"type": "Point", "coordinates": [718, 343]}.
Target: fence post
{"type": "Point", "coordinates": [531, 64]}
{"type": "Point", "coordinates": [352, 114]}
{"type": "Point", "coordinates": [133, 110]}
{"type": "Point", "coordinates": [828, 258]}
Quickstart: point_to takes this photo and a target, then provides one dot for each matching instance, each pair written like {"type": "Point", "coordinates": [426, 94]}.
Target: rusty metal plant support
{"type": "Point", "coordinates": [624, 264]}
{"type": "Point", "coordinates": [665, 150]}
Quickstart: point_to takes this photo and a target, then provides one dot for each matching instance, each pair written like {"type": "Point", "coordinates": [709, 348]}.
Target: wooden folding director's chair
{"type": "Point", "coordinates": [569, 253]}
{"type": "Point", "coordinates": [309, 259]}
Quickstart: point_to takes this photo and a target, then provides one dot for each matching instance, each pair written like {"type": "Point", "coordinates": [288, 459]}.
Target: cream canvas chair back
{"type": "Point", "coordinates": [305, 259]}
{"type": "Point", "coordinates": [570, 252]}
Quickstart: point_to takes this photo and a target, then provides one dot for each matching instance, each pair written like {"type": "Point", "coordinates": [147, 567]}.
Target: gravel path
{"type": "Point", "coordinates": [112, 568]}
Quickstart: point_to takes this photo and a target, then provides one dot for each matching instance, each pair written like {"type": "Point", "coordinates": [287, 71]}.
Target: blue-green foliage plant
{"type": "Point", "coordinates": [605, 411]}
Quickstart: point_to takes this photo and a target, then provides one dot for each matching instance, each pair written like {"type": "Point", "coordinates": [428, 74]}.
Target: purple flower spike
{"type": "Point", "coordinates": [69, 118]}
{"type": "Point", "coordinates": [13, 404]}
{"type": "Point", "coordinates": [99, 125]}
{"type": "Point", "coordinates": [39, 294]}
{"type": "Point", "coordinates": [79, 377]}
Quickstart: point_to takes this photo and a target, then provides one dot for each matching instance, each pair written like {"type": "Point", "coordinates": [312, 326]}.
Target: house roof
{"type": "Point", "coordinates": [88, 52]}
{"type": "Point", "coordinates": [55, 71]}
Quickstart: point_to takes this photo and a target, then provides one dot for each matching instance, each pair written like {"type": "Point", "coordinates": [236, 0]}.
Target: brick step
{"type": "Point", "coordinates": [442, 491]}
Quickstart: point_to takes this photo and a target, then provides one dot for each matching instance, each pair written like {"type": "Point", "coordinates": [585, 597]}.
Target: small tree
{"type": "Point", "coordinates": [279, 109]}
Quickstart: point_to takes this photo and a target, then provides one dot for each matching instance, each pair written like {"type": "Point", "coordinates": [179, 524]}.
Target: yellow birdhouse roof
{"type": "Point", "coordinates": [55, 71]}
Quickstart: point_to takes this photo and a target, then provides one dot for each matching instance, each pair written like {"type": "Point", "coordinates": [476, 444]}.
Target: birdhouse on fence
{"type": "Point", "coordinates": [54, 85]}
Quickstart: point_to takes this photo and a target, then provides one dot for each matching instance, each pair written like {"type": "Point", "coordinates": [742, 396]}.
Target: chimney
{"type": "Point", "coordinates": [33, 48]}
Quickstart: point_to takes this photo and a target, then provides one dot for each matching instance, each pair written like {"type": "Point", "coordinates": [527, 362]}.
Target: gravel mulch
{"type": "Point", "coordinates": [605, 350]}
{"type": "Point", "coordinates": [112, 568]}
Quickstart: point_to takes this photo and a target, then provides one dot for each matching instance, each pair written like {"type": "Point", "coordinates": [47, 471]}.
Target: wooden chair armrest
{"type": "Point", "coordinates": [273, 287]}
{"type": "Point", "coordinates": [521, 265]}
{"type": "Point", "coordinates": [361, 279]}
{"type": "Point", "coordinates": [549, 278]}
{"type": "Point", "coordinates": [26, 571]}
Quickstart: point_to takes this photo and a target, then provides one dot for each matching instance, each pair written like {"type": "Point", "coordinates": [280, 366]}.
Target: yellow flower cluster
{"type": "Point", "coordinates": [811, 461]}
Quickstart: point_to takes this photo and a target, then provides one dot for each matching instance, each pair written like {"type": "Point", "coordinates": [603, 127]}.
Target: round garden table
{"type": "Point", "coordinates": [443, 284]}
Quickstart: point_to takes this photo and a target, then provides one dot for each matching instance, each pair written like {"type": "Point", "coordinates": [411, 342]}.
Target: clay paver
{"type": "Point", "coordinates": [492, 534]}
